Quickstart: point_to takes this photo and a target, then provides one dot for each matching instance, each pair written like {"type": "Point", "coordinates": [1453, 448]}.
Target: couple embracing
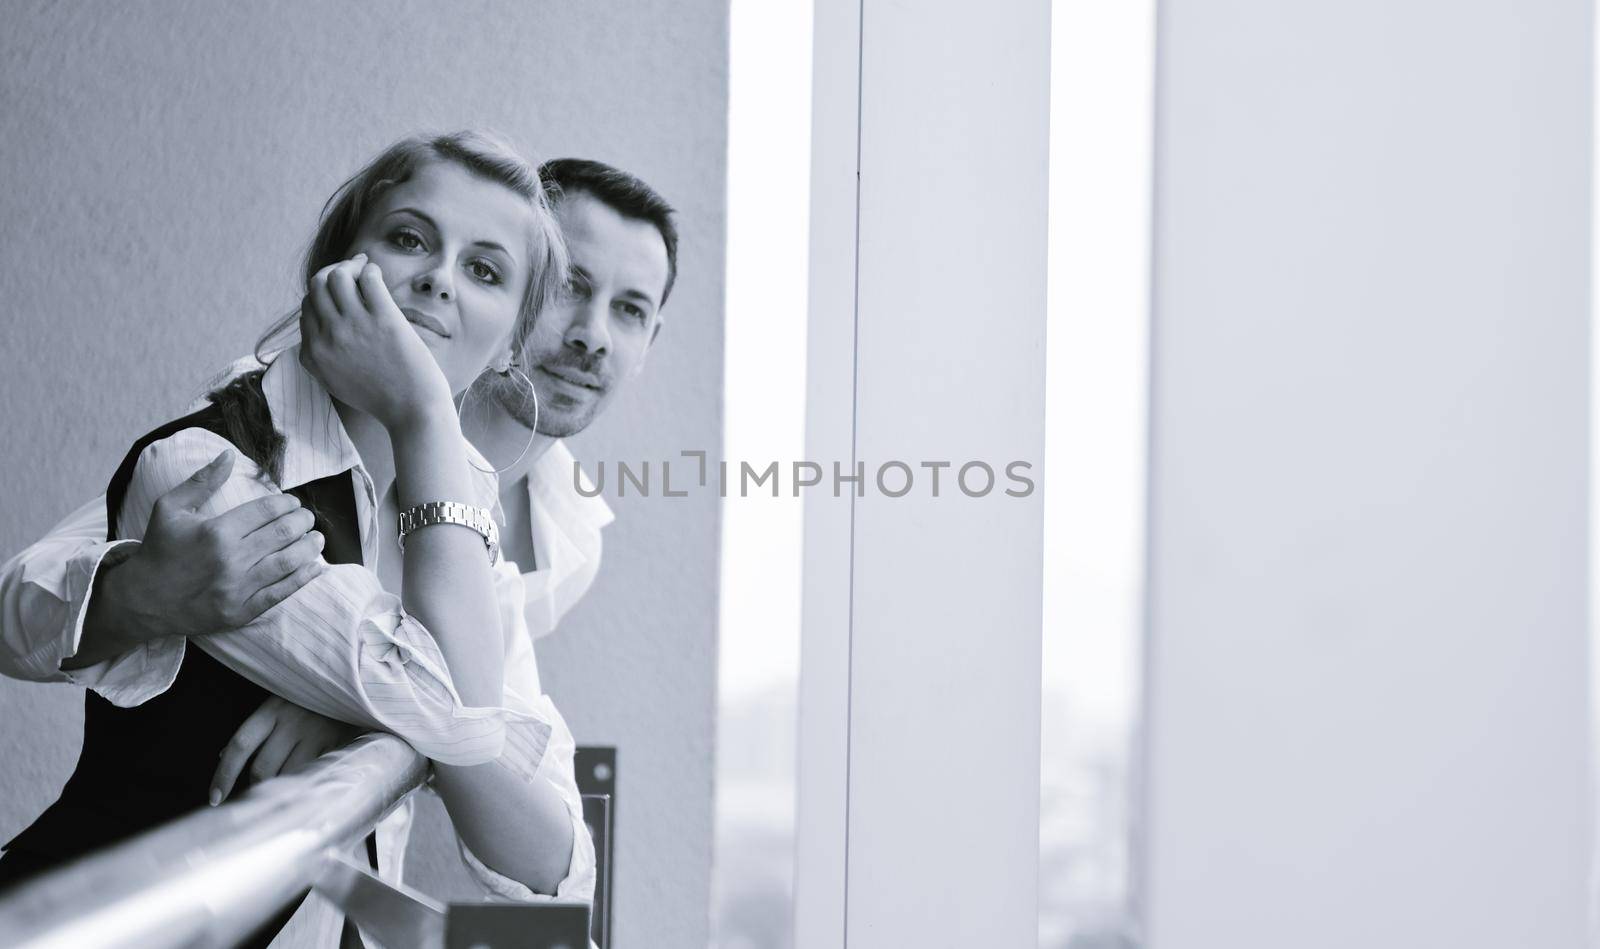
{"type": "Point", "coordinates": [364, 526]}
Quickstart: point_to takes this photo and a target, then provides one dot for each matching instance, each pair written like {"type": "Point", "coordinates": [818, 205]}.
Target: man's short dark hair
{"type": "Point", "coordinates": [620, 191]}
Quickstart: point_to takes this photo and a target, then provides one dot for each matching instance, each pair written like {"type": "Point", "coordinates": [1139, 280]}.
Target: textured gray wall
{"type": "Point", "coordinates": [164, 165]}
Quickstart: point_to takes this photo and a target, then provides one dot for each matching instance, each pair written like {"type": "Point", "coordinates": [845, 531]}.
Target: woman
{"type": "Point", "coordinates": [426, 268]}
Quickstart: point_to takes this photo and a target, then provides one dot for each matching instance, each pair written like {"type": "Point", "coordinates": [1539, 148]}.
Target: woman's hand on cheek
{"type": "Point", "coordinates": [358, 344]}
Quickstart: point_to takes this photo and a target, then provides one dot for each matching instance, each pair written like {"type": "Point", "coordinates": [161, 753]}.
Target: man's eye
{"type": "Point", "coordinates": [485, 272]}
{"type": "Point", "coordinates": [406, 239]}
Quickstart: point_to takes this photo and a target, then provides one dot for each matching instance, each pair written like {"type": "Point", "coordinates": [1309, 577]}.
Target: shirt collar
{"type": "Point", "coordinates": [552, 491]}
{"type": "Point", "coordinates": [315, 442]}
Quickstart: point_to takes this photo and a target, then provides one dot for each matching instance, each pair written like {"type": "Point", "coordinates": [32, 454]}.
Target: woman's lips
{"type": "Point", "coordinates": [425, 320]}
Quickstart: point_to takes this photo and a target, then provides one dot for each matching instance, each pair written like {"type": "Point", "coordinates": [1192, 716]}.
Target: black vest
{"type": "Point", "coordinates": [143, 766]}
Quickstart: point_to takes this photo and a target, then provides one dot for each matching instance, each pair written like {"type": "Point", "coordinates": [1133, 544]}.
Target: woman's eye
{"type": "Point", "coordinates": [406, 239]}
{"type": "Point", "coordinates": [484, 271]}
{"type": "Point", "coordinates": [575, 290]}
{"type": "Point", "coordinates": [632, 311]}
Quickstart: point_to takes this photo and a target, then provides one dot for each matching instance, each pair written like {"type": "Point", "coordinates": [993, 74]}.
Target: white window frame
{"type": "Point", "coordinates": [919, 694]}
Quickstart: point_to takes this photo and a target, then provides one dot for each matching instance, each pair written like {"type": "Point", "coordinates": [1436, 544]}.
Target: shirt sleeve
{"type": "Point", "coordinates": [44, 597]}
{"type": "Point", "coordinates": [557, 767]}
{"type": "Point", "coordinates": [45, 593]}
{"type": "Point", "coordinates": [341, 646]}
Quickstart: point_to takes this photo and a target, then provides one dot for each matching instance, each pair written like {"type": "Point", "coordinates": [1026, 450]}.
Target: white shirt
{"type": "Point", "coordinates": [566, 538]}
{"type": "Point", "coordinates": [44, 590]}
{"type": "Point", "coordinates": [342, 646]}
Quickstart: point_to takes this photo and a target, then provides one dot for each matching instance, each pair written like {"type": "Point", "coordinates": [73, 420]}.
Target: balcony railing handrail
{"type": "Point", "coordinates": [211, 877]}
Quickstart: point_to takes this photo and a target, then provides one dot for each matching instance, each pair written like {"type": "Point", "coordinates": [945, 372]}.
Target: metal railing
{"type": "Point", "coordinates": [596, 768]}
{"type": "Point", "coordinates": [211, 877]}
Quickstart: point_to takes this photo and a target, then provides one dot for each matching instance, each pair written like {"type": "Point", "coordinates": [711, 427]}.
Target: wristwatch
{"type": "Point", "coordinates": [452, 512]}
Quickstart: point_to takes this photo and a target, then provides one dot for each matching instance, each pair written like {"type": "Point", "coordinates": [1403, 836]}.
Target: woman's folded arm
{"type": "Point", "coordinates": [341, 646]}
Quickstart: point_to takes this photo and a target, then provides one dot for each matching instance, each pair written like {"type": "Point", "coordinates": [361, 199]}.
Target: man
{"type": "Point", "coordinates": [624, 249]}
{"type": "Point", "coordinates": [76, 608]}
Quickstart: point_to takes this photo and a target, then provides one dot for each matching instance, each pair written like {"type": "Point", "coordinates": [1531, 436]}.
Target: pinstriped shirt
{"type": "Point", "coordinates": [44, 590]}
{"type": "Point", "coordinates": [342, 646]}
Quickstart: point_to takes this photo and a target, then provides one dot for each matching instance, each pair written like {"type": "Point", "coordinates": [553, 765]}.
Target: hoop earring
{"type": "Point", "coordinates": [533, 433]}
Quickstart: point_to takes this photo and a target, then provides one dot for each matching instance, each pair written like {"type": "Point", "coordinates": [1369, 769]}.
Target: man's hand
{"type": "Point", "coordinates": [281, 736]}
{"type": "Point", "coordinates": [194, 575]}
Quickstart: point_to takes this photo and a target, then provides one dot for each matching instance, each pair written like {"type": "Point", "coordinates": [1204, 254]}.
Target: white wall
{"type": "Point", "coordinates": [1367, 665]}
{"type": "Point", "coordinates": [164, 165]}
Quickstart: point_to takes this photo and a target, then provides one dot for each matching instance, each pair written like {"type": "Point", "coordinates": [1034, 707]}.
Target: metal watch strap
{"type": "Point", "coordinates": [452, 512]}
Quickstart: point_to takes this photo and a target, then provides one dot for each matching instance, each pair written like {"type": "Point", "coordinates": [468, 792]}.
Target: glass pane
{"type": "Point", "coordinates": [1100, 121]}
{"type": "Point", "coordinates": [769, 123]}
